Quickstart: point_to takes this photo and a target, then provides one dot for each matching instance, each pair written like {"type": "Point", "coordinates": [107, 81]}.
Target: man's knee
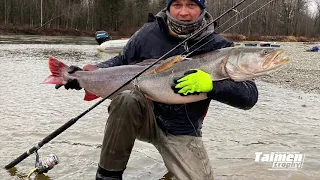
{"type": "Point", "coordinates": [128, 98]}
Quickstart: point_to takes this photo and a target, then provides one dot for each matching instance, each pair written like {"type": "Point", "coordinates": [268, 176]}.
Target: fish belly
{"type": "Point", "coordinates": [103, 82]}
{"type": "Point", "coordinates": [158, 88]}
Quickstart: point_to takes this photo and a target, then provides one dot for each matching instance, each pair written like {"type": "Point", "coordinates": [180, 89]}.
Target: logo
{"type": "Point", "coordinates": [281, 160]}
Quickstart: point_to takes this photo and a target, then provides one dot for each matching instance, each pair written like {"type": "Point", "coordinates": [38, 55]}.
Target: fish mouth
{"type": "Point", "coordinates": [275, 60]}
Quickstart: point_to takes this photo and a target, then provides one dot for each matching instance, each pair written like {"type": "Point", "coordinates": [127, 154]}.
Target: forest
{"type": "Point", "coordinates": [124, 17]}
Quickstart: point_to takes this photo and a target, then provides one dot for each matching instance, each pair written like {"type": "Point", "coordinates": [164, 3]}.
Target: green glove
{"type": "Point", "coordinates": [194, 81]}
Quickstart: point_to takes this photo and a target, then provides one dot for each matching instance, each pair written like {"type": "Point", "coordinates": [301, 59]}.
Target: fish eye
{"type": "Point", "coordinates": [264, 52]}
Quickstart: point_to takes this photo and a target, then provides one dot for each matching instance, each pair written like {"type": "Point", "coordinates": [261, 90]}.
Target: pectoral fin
{"type": "Point", "coordinates": [168, 63]}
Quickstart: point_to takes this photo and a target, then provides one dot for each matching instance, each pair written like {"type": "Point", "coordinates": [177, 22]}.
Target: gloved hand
{"type": "Point", "coordinates": [71, 83]}
{"type": "Point", "coordinates": [194, 81]}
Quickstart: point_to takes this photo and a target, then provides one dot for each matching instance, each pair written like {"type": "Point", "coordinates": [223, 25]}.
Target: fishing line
{"type": "Point", "coordinates": [210, 41]}
{"type": "Point", "coordinates": [197, 135]}
{"type": "Point", "coordinates": [225, 29]}
{"type": "Point", "coordinates": [248, 16]}
{"type": "Point", "coordinates": [238, 13]}
{"type": "Point", "coordinates": [75, 119]}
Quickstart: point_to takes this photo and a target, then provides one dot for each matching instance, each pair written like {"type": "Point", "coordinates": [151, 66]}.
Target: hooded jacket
{"type": "Point", "coordinates": [151, 42]}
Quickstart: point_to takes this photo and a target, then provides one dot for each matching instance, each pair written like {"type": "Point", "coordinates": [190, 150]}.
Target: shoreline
{"type": "Point", "coordinates": [37, 30]}
{"type": "Point", "coordinates": [301, 73]}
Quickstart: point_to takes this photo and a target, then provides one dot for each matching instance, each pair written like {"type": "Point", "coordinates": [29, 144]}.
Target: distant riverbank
{"type": "Point", "coordinates": [26, 30]}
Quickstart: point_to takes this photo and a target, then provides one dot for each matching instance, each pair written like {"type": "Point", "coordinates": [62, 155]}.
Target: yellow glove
{"type": "Point", "coordinates": [194, 81]}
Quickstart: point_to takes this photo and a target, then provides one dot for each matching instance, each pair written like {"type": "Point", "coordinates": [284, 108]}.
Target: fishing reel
{"type": "Point", "coordinates": [45, 165]}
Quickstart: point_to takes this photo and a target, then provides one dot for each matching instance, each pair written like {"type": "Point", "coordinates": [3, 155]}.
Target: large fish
{"type": "Point", "coordinates": [236, 63]}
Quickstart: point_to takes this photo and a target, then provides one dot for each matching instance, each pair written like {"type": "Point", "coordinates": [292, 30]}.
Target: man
{"type": "Point", "coordinates": [175, 130]}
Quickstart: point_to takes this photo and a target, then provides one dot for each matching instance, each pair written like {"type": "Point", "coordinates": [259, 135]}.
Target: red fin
{"type": "Point", "coordinates": [90, 67]}
{"type": "Point", "coordinates": [57, 68]}
{"type": "Point", "coordinates": [89, 96]}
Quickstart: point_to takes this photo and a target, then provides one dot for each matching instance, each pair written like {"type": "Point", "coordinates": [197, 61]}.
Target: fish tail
{"type": "Point", "coordinates": [57, 69]}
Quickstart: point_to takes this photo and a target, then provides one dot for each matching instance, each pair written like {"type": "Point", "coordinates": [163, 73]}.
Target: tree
{"type": "Point", "coordinates": [278, 17]}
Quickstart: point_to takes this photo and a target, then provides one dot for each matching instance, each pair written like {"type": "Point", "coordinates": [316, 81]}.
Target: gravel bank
{"type": "Point", "coordinates": [302, 72]}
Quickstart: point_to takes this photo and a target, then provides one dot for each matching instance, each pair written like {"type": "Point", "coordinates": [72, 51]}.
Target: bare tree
{"type": "Point", "coordinates": [277, 17]}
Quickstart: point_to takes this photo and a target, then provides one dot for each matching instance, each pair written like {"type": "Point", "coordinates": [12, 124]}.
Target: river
{"type": "Point", "coordinates": [285, 119]}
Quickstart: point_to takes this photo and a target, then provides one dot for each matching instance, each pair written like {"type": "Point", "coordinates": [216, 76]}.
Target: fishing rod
{"type": "Point", "coordinates": [186, 51]}
{"type": "Point", "coordinates": [74, 120]}
{"type": "Point", "coordinates": [203, 38]}
{"type": "Point", "coordinates": [169, 175]}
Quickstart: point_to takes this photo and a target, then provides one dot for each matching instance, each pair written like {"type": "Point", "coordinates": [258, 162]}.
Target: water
{"type": "Point", "coordinates": [283, 120]}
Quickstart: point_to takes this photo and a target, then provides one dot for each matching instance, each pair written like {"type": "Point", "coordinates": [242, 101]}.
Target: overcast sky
{"type": "Point", "coordinates": [312, 5]}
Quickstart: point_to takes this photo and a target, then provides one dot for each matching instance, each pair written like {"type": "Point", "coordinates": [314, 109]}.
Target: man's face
{"type": "Point", "coordinates": [185, 10]}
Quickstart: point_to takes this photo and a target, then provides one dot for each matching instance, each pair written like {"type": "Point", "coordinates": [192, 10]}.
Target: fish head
{"type": "Point", "coordinates": [248, 62]}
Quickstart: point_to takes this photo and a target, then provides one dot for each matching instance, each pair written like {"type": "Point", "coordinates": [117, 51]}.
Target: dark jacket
{"type": "Point", "coordinates": [151, 42]}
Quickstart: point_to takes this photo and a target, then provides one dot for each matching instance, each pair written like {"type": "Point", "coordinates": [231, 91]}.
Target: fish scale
{"type": "Point", "coordinates": [236, 63]}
